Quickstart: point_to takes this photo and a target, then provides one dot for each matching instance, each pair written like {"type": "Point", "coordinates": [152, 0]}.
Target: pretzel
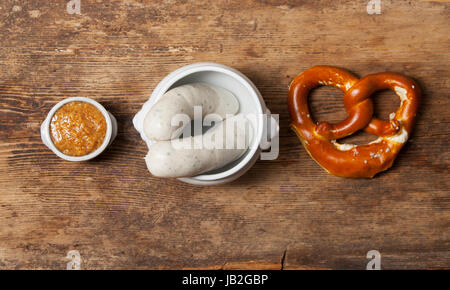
{"type": "Point", "coordinates": [319, 140]}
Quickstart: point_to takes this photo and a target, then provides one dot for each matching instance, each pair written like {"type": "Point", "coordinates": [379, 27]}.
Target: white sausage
{"type": "Point", "coordinates": [181, 100]}
{"type": "Point", "coordinates": [164, 159]}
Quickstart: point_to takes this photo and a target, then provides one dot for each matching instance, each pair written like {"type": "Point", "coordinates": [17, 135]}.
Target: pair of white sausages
{"type": "Point", "coordinates": [190, 156]}
{"type": "Point", "coordinates": [182, 100]}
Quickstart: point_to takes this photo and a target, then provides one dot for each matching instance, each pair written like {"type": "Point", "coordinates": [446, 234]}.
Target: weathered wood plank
{"type": "Point", "coordinates": [286, 213]}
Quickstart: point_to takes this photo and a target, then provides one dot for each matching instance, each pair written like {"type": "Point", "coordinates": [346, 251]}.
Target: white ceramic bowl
{"type": "Point", "coordinates": [250, 102]}
{"type": "Point", "coordinates": [111, 130]}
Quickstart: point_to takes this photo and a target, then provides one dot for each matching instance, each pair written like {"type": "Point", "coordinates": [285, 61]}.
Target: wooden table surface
{"type": "Point", "coordinates": [283, 214]}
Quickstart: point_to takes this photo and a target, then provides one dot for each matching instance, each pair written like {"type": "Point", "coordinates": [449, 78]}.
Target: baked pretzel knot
{"type": "Point", "coordinates": [347, 160]}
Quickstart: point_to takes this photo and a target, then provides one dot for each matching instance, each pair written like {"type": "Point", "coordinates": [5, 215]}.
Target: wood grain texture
{"type": "Point", "coordinates": [286, 213]}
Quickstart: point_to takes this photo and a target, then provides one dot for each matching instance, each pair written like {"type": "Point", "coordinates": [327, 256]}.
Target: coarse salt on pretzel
{"type": "Point", "coordinates": [348, 160]}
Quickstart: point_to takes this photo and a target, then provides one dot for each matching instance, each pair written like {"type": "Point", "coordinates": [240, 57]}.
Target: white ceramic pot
{"type": "Point", "coordinates": [111, 129]}
{"type": "Point", "coordinates": [250, 101]}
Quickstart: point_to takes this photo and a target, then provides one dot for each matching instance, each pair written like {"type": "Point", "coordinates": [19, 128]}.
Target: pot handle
{"type": "Point", "coordinates": [271, 130]}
